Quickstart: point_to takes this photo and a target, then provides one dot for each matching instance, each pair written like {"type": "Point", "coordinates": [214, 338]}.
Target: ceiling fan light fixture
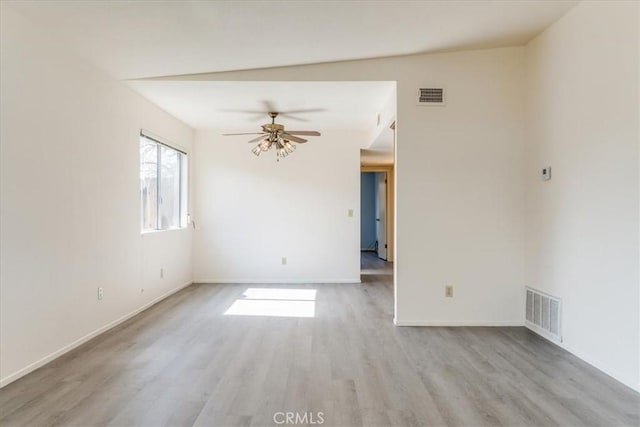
{"type": "Point", "coordinates": [257, 150]}
{"type": "Point", "coordinates": [274, 135]}
{"type": "Point", "coordinates": [289, 146]}
{"type": "Point", "coordinates": [265, 145]}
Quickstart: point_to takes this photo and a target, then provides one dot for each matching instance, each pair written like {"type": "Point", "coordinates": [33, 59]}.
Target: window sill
{"type": "Point", "coordinates": [143, 233]}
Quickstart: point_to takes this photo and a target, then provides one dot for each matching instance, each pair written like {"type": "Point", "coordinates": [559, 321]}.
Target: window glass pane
{"type": "Point", "coordinates": [169, 208]}
{"type": "Point", "coordinates": [149, 183]}
{"type": "Point", "coordinates": [184, 194]}
{"type": "Point", "coordinates": [163, 186]}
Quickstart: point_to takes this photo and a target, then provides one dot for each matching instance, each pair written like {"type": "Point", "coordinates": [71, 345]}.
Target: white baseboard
{"type": "Point", "coordinates": [276, 282]}
{"type": "Point", "coordinates": [544, 334]}
{"type": "Point", "coordinates": [35, 365]}
{"type": "Point", "coordinates": [455, 323]}
{"type": "Point", "coordinates": [634, 385]}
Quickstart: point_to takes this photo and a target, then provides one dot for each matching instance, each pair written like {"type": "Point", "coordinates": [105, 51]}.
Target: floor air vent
{"type": "Point", "coordinates": [543, 314]}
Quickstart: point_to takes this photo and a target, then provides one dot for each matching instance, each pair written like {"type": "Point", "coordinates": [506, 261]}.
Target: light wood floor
{"type": "Point", "coordinates": [183, 362]}
{"type": "Point", "coordinates": [371, 264]}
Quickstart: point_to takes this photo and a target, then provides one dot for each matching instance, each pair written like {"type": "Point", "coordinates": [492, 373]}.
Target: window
{"type": "Point", "coordinates": [163, 185]}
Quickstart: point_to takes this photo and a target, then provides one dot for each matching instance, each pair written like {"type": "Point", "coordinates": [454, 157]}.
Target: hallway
{"type": "Point", "coordinates": [370, 264]}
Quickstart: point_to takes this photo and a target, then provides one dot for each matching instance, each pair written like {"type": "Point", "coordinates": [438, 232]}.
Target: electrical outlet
{"type": "Point", "coordinates": [448, 291]}
{"type": "Point", "coordinates": [100, 293]}
{"type": "Point", "coordinates": [284, 260]}
{"type": "Point", "coordinates": [350, 213]}
{"type": "Point", "coordinates": [161, 273]}
{"type": "Point", "coordinates": [546, 173]}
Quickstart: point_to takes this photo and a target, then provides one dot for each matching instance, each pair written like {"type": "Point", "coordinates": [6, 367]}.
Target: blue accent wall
{"type": "Point", "coordinates": [367, 210]}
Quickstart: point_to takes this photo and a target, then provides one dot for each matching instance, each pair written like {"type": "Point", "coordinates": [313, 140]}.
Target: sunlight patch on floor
{"type": "Point", "coordinates": [275, 302]}
{"type": "Point", "coordinates": [281, 294]}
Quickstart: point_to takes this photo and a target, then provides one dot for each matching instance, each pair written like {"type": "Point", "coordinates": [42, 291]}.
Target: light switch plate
{"type": "Point", "coordinates": [448, 291]}
{"type": "Point", "coordinates": [546, 173]}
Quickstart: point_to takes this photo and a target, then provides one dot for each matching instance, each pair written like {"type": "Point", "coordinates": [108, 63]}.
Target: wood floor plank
{"type": "Point", "coordinates": [184, 362]}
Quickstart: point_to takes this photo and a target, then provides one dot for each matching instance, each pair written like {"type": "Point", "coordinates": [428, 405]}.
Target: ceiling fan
{"type": "Point", "coordinates": [274, 135]}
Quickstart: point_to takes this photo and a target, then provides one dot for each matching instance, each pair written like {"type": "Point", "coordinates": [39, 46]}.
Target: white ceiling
{"type": "Point", "coordinates": [212, 104]}
{"type": "Point", "coordinates": [134, 39]}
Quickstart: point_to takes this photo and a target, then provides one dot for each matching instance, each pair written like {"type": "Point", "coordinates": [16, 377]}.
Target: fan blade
{"type": "Point", "coordinates": [224, 110]}
{"type": "Point", "coordinates": [255, 114]}
{"type": "Point", "coordinates": [303, 132]}
{"type": "Point", "coordinates": [250, 133]}
{"type": "Point", "coordinates": [290, 117]}
{"type": "Point", "coordinates": [294, 138]}
{"type": "Point", "coordinates": [268, 106]}
{"type": "Point", "coordinates": [258, 138]}
{"type": "Point", "coordinates": [304, 110]}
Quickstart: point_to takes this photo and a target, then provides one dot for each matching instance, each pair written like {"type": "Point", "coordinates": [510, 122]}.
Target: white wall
{"type": "Point", "coordinates": [70, 201]}
{"type": "Point", "coordinates": [460, 185]}
{"type": "Point", "coordinates": [582, 226]}
{"type": "Point", "coordinates": [380, 136]}
{"type": "Point", "coordinates": [252, 211]}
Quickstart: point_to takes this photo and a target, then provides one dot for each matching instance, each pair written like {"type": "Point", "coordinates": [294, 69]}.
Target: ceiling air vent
{"type": "Point", "coordinates": [431, 96]}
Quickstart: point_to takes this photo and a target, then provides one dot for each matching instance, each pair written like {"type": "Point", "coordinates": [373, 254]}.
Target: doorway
{"type": "Point", "coordinates": [375, 239]}
{"type": "Point", "coordinates": [378, 175]}
{"type": "Point", "coordinates": [381, 214]}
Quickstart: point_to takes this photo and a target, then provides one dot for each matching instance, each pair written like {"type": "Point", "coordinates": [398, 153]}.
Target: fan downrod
{"type": "Point", "coordinates": [273, 126]}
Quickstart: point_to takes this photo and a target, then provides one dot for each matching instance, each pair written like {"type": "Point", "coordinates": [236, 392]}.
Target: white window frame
{"type": "Point", "coordinates": [183, 206]}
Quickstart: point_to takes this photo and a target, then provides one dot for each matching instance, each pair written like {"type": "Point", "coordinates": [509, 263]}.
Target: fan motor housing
{"type": "Point", "coordinates": [272, 127]}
